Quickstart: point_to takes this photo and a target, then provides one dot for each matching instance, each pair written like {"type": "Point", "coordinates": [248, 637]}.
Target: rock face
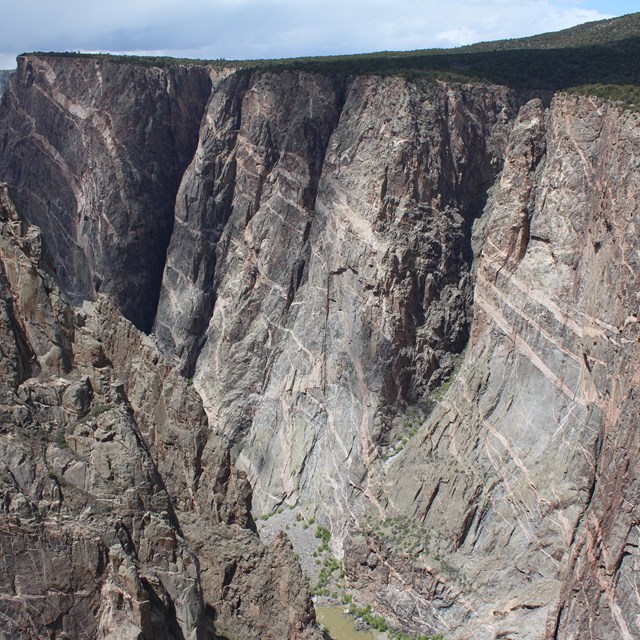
{"type": "Point", "coordinates": [519, 489]}
{"type": "Point", "coordinates": [347, 208]}
{"type": "Point", "coordinates": [410, 305]}
{"type": "Point", "coordinates": [95, 153]}
{"type": "Point", "coordinates": [121, 514]}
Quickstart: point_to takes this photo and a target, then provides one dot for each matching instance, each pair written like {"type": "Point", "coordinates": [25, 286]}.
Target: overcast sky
{"type": "Point", "coordinates": [235, 29]}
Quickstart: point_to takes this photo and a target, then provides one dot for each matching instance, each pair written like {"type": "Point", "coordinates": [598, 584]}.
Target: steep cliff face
{"type": "Point", "coordinates": [121, 514]}
{"type": "Point", "coordinates": [4, 80]}
{"type": "Point", "coordinates": [340, 284]}
{"type": "Point", "coordinates": [518, 492]}
{"type": "Point", "coordinates": [409, 306]}
{"type": "Point", "coordinates": [95, 152]}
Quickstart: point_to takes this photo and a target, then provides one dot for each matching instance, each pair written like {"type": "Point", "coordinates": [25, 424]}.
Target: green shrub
{"type": "Point", "coordinates": [60, 440]}
{"type": "Point", "coordinates": [322, 533]}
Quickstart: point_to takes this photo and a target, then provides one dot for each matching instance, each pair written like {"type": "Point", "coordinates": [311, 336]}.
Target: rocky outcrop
{"type": "Point", "coordinates": [121, 514]}
{"type": "Point", "coordinates": [410, 306]}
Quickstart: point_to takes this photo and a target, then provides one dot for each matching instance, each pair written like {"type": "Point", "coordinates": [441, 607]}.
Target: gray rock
{"type": "Point", "coordinates": [5, 75]}
{"type": "Point", "coordinates": [507, 482]}
{"type": "Point", "coordinates": [102, 181]}
{"type": "Point", "coordinates": [410, 307]}
{"type": "Point", "coordinates": [329, 312]}
{"type": "Point", "coordinates": [4, 81]}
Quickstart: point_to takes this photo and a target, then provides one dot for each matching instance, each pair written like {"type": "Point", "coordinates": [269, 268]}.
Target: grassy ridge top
{"type": "Point", "coordinates": [601, 32]}
{"type": "Point", "coordinates": [600, 58]}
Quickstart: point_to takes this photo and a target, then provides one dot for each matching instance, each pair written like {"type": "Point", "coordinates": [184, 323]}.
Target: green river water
{"type": "Point", "coordinates": [341, 627]}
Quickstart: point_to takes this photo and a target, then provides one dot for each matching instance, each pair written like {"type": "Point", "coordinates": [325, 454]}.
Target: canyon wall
{"type": "Point", "coordinates": [121, 514]}
{"type": "Point", "coordinates": [340, 286]}
{"type": "Point", "coordinates": [95, 153]}
{"type": "Point", "coordinates": [4, 80]}
{"type": "Point", "coordinates": [518, 493]}
{"type": "Point", "coordinates": [409, 307]}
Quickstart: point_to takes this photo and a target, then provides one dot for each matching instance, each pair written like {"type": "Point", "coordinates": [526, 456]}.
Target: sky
{"type": "Point", "coordinates": [247, 29]}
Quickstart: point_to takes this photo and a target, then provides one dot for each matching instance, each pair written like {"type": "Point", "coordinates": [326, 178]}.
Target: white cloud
{"type": "Point", "coordinates": [274, 28]}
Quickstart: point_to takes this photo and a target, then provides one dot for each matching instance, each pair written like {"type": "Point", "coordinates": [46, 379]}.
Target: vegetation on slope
{"type": "Point", "coordinates": [598, 58]}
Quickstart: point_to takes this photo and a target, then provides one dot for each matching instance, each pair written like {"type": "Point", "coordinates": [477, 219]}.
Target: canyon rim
{"type": "Point", "coordinates": [402, 304]}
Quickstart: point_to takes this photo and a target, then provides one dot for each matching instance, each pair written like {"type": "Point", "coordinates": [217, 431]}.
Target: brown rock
{"type": "Point", "coordinates": [110, 478]}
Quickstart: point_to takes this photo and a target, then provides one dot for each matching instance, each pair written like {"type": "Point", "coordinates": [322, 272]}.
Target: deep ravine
{"type": "Point", "coordinates": [410, 308]}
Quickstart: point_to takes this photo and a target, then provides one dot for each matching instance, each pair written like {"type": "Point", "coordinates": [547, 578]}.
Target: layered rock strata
{"type": "Point", "coordinates": [519, 489]}
{"type": "Point", "coordinates": [337, 282]}
{"type": "Point", "coordinates": [95, 152]}
{"type": "Point", "coordinates": [342, 204]}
